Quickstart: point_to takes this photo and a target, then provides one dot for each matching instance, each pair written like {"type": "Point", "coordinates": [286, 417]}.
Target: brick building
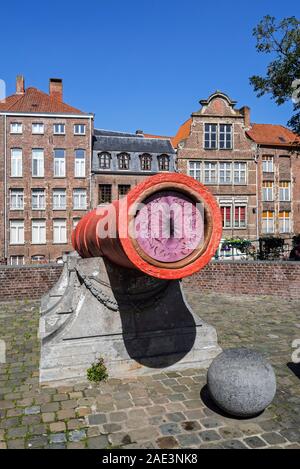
{"type": "Point", "coordinates": [278, 180]}
{"type": "Point", "coordinates": [252, 169]}
{"type": "Point", "coordinates": [45, 154]}
{"type": "Point", "coordinates": [122, 160]}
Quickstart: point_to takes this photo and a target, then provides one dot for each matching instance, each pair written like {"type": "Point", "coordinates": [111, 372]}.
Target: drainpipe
{"type": "Point", "coordinates": [5, 187]}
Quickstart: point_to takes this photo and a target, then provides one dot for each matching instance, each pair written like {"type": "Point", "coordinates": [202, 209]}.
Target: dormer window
{"type": "Point", "coordinates": [104, 160]}
{"type": "Point", "coordinates": [123, 160]}
{"type": "Point", "coordinates": [146, 162]}
{"type": "Point", "coordinates": [163, 163]}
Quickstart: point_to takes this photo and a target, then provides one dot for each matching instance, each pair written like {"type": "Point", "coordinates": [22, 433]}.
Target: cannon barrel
{"type": "Point", "coordinates": [169, 227]}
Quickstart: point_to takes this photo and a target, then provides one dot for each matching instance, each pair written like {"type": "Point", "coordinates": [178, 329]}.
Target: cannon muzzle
{"type": "Point", "coordinates": [169, 227]}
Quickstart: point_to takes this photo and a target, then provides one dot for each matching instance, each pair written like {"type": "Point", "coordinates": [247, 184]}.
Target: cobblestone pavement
{"type": "Point", "coordinates": [166, 410]}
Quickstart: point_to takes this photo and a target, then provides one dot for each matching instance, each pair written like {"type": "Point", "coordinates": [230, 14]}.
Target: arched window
{"type": "Point", "coordinates": [104, 160]}
{"type": "Point", "coordinates": [163, 163]}
{"type": "Point", "coordinates": [123, 159]}
{"type": "Point", "coordinates": [146, 162]}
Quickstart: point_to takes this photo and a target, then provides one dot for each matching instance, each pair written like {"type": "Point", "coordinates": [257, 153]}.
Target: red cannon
{"type": "Point", "coordinates": [169, 227]}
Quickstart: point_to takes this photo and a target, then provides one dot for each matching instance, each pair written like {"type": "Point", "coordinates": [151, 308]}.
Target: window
{"type": "Point", "coordinates": [225, 136]}
{"type": "Point", "coordinates": [79, 163]}
{"type": "Point", "coordinates": [226, 216]}
{"type": "Point", "coordinates": [79, 129]}
{"type": "Point", "coordinates": [268, 222]}
{"type": "Point", "coordinates": [16, 128]}
{"type": "Point", "coordinates": [210, 172]}
{"type": "Point", "coordinates": [59, 199]}
{"type": "Point", "coordinates": [146, 162]}
{"type": "Point", "coordinates": [59, 129]}
{"type": "Point", "coordinates": [16, 163]}
{"type": "Point", "coordinates": [59, 163]}
{"type": "Point", "coordinates": [17, 199]}
{"type": "Point", "coordinates": [79, 199]}
{"type": "Point", "coordinates": [16, 232]}
{"type": "Point", "coordinates": [38, 128]}
{"type": "Point", "coordinates": [268, 191]}
{"type": "Point", "coordinates": [225, 173]}
{"type": "Point", "coordinates": [123, 160]}
{"type": "Point", "coordinates": [59, 231]}
{"type": "Point", "coordinates": [284, 222]}
{"type": "Point", "coordinates": [123, 190]}
{"type": "Point", "coordinates": [195, 170]}
{"type": "Point", "coordinates": [17, 260]}
{"type": "Point", "coordinates": [240, 173]}
{"type": "Point", "coordinates": [38, 199]}
{"type": "Point", "coordinates": [240, 216]}
{"type": "Point", "coordinates": [210, 136]}
{"type": "Point", "coordinates": [268, 164]}
{"type": "Point", "coordinates": [284, 191]}
{"type": "Point", "coordinates": [38, 163]}
{"type": "Point", "coordinates": [38, 259]}
{"type": "Point", "coordinates": [38, 231]}
{"type": "Point", "coordinates": [104, 160]}
{"type": "Point", "coordinates": [105, 194]}
{"type": "Point", "coordinates": [163, 163]}
{"type": "Point", "coordinates": [75, 222]}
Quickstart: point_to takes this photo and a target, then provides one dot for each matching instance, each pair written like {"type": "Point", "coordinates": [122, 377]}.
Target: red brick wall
{"type": "Point", "coordinates": [28, 282]}
{"type": "Point", "coordinates": [248, 278]}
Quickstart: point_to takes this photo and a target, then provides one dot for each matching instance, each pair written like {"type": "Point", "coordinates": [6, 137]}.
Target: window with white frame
{"type": "Point", "coordinates": [268, 191]}
{"type": "Point", "coordinates": [17, 260]}
{"type": "Point", "coordinates": [285, 191]}
{"type": "Point", "coordinates": [16, 163]}
{"type": "Point", "coordinates": [75, 222]}
{"type": "Point", "coordinates": [16, 231]}
{"type": "Point", "coordinates": [284, 222]}
{"type": "Point", "coordinates": [38, 201]}
{"type": "Point", "coordinates": [59, 231]}
{"type": "Point", "coordinates": [79, 129]}
{"type": "Point", "coordinates": [195, 170]}
{"type": "Point", "coordinates": [210, 136]}
{"type": "Point", "coordinates": [268, 222]}
{"type": "Point", "coordinates": [16, 128]}
{"type": "Point", "coordinates": [38, 231]}
{"type": "Point", "coordinates": [59, 199]}
{"type": "Point", "coordinates": [37, 128]}
{"type": "Point", "coordinates": [225, 173]}
{"type": "Point", "coordinates": [79, 163]}
{"type": "Point", "coordinates": [37, 162]}
{"type": "Point", "coordinates": [226, 211]}
{"type": "Point", "coordinates": [59, 163]}
{"type": "Point", "coordinates": [17, 199]}
{"type": "Point", "coordinates": [104, 160]}
{"type": "Point", "coordinates": [59, 129]}
{"type": "Point", "coordinates": [79, 199]}
{"type": "Point", "coordinates": [123, 161]}
{"type": "Point", "coordinates": [210, 172]}
{"type": "Point", "coordinates": [225, 136]}
{"type": "Point", "coordinates": [268, 164]}
{"type": "Point", "coordinates": [240, 216]}
{"type": "Point", "coordinates": [240, 173]}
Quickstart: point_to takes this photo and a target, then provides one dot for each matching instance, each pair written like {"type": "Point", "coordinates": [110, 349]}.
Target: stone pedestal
{"type": "Point", "coordinates": [138, 324]}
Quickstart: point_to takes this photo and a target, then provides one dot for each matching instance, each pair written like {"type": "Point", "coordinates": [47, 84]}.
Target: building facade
{"type": "Point", "coordinates": [252, 169]}
{"type": "Point", "coordinates": [122, 160]}
{"type": "Point", "coordinates": [45, 154]}
{"type": "Point", "coordinates": [212, 146]}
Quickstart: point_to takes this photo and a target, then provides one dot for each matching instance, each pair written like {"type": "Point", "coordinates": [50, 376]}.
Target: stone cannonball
{"type": "Point", "coordinates": [241, 382]}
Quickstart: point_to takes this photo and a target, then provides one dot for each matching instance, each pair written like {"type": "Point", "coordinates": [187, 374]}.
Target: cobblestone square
{"type": "Point", "coordinates": [163, 410]}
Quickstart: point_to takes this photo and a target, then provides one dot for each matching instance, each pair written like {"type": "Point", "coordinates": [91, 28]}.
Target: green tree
{"type": "Point", "coordinates": [282, 79]}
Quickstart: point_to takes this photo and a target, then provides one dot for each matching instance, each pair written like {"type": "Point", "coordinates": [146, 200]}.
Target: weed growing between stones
{"type": "Point", "coordinates": [97, 372]}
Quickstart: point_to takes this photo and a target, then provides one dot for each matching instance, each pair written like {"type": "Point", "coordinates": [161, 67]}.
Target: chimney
{"type": "Point", "coordinates": [56, 88]}
{"type": "Point", "coordinates": [20, 84]}
{"type": "Point", "coordinates": [246, 113]}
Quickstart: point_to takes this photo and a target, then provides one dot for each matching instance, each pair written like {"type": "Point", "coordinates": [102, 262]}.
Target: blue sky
{"type": "Point", "coordinates": [140, 64]}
